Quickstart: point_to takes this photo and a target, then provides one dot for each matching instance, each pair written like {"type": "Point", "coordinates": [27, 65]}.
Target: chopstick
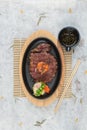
{"type": "Point", "coordinates": [67, 85]}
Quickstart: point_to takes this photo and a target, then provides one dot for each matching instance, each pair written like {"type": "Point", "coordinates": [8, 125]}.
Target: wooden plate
{"type": "Point", "coordinates": [27, 81]}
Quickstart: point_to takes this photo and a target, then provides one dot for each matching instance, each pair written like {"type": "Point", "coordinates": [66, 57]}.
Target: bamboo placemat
{"type": "Point", "coordinates": [18, 43]}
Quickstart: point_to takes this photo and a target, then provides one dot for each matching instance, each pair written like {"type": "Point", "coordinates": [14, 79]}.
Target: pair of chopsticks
{"type": "Point", "coordinates": [67, 85]}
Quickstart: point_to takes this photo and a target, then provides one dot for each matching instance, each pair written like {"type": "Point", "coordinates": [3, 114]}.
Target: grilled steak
{"type": "Point", "coordinates": [42, 47]}
{"type": "Point", "coordinates": [43, 65]}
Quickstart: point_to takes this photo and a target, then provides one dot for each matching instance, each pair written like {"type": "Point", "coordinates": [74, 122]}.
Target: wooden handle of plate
{"type": "Point", "coordinates": [67, 85]}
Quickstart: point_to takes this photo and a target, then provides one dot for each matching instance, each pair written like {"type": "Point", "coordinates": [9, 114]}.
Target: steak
{"type": "Point", "coordinates": [42, 47]}
{"type": "Point", "coordinates": [43, 65]}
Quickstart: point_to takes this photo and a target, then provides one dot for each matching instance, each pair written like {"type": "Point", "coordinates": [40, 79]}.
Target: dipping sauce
{"type": "Point", "coordinates": [68, 38]}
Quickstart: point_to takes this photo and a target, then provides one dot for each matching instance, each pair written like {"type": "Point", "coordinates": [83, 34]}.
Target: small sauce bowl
{"type": "Point", "coordinates": [69, 37]}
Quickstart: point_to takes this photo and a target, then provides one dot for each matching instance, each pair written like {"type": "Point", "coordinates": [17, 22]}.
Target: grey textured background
{"type": "Point", "coordinates": [18, 19]}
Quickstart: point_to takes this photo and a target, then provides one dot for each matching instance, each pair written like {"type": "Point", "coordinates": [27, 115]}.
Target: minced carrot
{"type": "Point", "coordinates": [42, 67]}
{"type": "Point", "coordinates": [46, 89]}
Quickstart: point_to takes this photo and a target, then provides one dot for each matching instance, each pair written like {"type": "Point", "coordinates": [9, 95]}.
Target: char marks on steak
{"type": "Point", "coordinates": [41, 54]}
{"type": "Point", "coordinates": [41, 48]}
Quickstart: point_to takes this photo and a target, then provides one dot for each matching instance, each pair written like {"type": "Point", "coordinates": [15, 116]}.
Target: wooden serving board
{"type": "Point", "coordinates": [18, 92]}
{"type": "Point", "coordinates": [38, 34]}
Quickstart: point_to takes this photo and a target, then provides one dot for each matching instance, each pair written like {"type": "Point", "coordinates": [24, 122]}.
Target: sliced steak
{"type": "Point", "coordinates": [41, 57]}
{"type": "Point", "coordinates": [42, 47]}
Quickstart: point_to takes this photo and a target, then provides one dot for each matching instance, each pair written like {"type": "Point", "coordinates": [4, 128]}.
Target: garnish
{"type": "Point", "coordinates": [40, 88]}
{"type": "Point", "coordinates": [46, 89]}
{"type": "Point", "coordinates": [42, 67]}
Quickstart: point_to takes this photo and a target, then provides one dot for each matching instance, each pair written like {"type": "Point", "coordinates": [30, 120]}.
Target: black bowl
{"type": "Point", "coordinates": [69, 37]}
{"type": "Point", "coordinates": [28, 80]}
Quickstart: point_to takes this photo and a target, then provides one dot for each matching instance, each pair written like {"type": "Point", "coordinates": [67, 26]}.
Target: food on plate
{"type": "Point", "coordinates": [44, 47]}
{"type": "Point", "coordinates": [40, 88]}
{"type": "Point", "coordinates": [43, 65]}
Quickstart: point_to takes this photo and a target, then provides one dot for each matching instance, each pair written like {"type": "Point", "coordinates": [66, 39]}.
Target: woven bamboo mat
{"type": "Point", "coordinates": [18, 43]}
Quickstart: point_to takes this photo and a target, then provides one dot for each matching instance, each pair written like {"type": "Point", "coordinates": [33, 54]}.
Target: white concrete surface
{"type": "Point", "coordinates": [18, 19]}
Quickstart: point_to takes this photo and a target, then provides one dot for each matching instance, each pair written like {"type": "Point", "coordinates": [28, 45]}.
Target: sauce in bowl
{"type": "Point", "coordinates": [69, 37]}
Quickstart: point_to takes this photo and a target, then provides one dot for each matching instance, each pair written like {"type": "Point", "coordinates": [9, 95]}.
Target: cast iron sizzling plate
{"type": "Point", "coordinates": [28, 80]}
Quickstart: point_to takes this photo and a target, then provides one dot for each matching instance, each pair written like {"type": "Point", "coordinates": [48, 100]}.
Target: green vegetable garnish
{"type": "Point", "coordinates": [40, 90]}
{"type": "Point", "coordinates": [42, 85]}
